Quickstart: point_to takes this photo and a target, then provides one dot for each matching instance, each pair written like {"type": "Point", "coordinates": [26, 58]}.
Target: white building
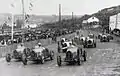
{"type": "Point", "coordinates": [31, 25]}
{"type": "Point", "coordinates": [93, 20]}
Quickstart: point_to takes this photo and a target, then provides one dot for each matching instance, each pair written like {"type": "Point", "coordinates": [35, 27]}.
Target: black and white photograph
{"type": "Point", "coordinates": [59, 37]}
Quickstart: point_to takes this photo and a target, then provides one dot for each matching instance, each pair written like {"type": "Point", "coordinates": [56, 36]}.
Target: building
{"type": "Point", "coordinates": [93, 21]}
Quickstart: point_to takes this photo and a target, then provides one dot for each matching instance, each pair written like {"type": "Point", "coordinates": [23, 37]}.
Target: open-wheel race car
{"type": "Point", "coordinates": [62, 47]}
{"type": "Point", "coordinates": [104, 38]}
{"type": "Point", "coordinates": [82, 40]}
{"type": "Point", "coordinates": [91, 35]}
{"type": "Point", "coordinates": [17, 53]}
{"type": "Point", "coordinates": [38, 54]}
{"type": "Point", "coordinates": [73, 54]}
{"type": "Point", "coordinates": [100, 35]}
{"type": "Point", "coordinates": [89, 42]}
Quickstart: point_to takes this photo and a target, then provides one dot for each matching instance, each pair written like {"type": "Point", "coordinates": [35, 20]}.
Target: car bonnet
{"type": "Point", "coordinates": [72, 49]}
{"type": "Point", "coordinates": [39, 49]}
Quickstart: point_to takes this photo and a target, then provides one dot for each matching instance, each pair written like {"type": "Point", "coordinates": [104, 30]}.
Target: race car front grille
{"type": "Point", "coordinates": [69, 55]}
{"type": "Point", "coordinates": [89, 42]}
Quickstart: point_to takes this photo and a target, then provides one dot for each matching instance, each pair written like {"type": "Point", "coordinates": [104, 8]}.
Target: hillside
{"type": "Point", "coordinates": [103, 15]}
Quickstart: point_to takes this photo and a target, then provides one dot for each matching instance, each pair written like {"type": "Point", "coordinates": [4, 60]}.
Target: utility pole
{"type": "Point", "coordinates": [72, 19]}
{"type": "Point", "coordinates": [12, 31]}
{"type": "Point", "coordinates": [23, 11]}
{"type": "Point", "coordinates": [59, 14]}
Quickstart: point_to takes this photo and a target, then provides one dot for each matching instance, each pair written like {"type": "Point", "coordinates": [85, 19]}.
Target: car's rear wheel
{"type": "Point", "coordinates": [51, 55]}
{"type": "Point", "coordinates": [8, 57]}
{"type": "Point", "coordinates": [95, 45]}
{"type": "Point", "coordinates": [24, 59]}
{"type": "Point", "coordinates": [59, 61]}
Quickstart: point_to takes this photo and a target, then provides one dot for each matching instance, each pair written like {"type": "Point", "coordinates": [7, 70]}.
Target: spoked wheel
{"type": "Point", "coordinates": [42, 60]}
{"type": "Point", "coordinates": [51, 55]}
{"type": "Point", "coordinates": [24, 59]}
{"type": "Point", "coordinates": [84, 55]}
{"type": "Point", "coordinates": [59, 61]}
{"type": "Point", "coordinates": [79, 61]}
{"type": "Point", "coordinates": [8, 57]}
{"type": "Point", "coordinates": [79, 57]}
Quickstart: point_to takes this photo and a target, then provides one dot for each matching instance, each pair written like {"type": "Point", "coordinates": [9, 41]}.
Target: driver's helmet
{"type": "Point", "coordinates": [21, 44]}
{"type": "Point", "coordinates": [81, 35]}
{"type": "Point", "coordinates": [39, 44]}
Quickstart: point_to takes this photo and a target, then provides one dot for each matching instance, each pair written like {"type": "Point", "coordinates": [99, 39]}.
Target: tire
{"type": "Point", "coordinates": [78, 57]}
{"type": "Point", "coordinates": [24, 59]}
{"type": "Point", "coordinates": [95, 45]}
{"type": "Point", "coordinates": [84, 55]}
{"type": "Point", "coordinates": [59, 61]}
{"type": "Point", "coordinates": [58, 49]}
{"type": "Point", "coordinates": [79, 61]}
{"type": "Point", "coordinates": [51, 55]}
{"type": "Point", "coordinates": [8, 57]}
{"type": "Point", "coordinates": [42, 60]}
{"type": "Point", "coordinates": [108, 40]}
{"type": "Point", "coordinates": [84, 46]}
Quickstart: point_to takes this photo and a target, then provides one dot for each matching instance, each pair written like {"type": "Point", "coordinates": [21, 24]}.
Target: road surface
{"type": "Point", "coordinates": [104, 60]}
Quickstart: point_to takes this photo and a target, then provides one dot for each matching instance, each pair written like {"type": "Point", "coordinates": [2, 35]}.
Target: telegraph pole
{"type": "Point", "coordinates": [72, 19]}
{"type": "Point", "coordinates": [23, 11]}
{"type": "Point", "coordinates": [12, 31]}
{"type": "Point", "coordinates": [59, 14]}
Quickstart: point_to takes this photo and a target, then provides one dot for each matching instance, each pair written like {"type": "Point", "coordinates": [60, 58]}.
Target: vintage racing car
{"type": "Point", "coordinates": [104, 38]}
{"type": "Point", "coordinates": [38, 54]}
{"type": "Point", "coordinates": [73, 54]}
{"type": "Point", "coordinates": [82, 40]}
{"type": "Point", "coordinates": [17, 53]}
{"type": "Point", "coordinates": [109, 36]}
{"type": "Point", "coordinates": [63, 47]}
{"type": "Point", "coordinates": [89, 42]}
{"type": "Point", "coordinates": [91, 35]}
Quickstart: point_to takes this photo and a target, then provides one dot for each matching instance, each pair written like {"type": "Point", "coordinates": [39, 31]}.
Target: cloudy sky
{"type": "Point", "coordinates": [50, 7]}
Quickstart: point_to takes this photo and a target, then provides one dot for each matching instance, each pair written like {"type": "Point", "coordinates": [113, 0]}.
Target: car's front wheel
{"type": "Point", "coordinates": [8, 57]}
{"type": "Point", "coordinates": [24, 59]}
{"type": "Point", "coordinates": [84, 55]}
{"type": "Point", "coordinates": [59, 61]}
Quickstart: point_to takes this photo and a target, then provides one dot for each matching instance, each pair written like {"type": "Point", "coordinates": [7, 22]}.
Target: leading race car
{"type": "Point", "coordinates": [38, 54]}
{"type": "Point", "coordinates": [73, 54]}
{"type": "Point", "coordinates": [64, 46]}
{"type": "Point", "coordinates": [17, 54]}
{"type": "Point", "coordinates": [89, 42]}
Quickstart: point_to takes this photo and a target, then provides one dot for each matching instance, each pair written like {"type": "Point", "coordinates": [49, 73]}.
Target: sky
{"type": "Point", "coordinates": [50, 7]}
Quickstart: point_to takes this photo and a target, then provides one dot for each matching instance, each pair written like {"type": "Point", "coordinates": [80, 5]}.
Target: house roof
{"type": "Point", "coordinates": [93, 19]}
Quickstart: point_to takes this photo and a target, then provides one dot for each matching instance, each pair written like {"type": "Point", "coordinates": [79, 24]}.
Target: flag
{"type": "Point", "coordinates": [12, 5]}
{"type": "Point", "coordinates": [9, 18]}
{"type": "Point", "coordinates": [31, 5]}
